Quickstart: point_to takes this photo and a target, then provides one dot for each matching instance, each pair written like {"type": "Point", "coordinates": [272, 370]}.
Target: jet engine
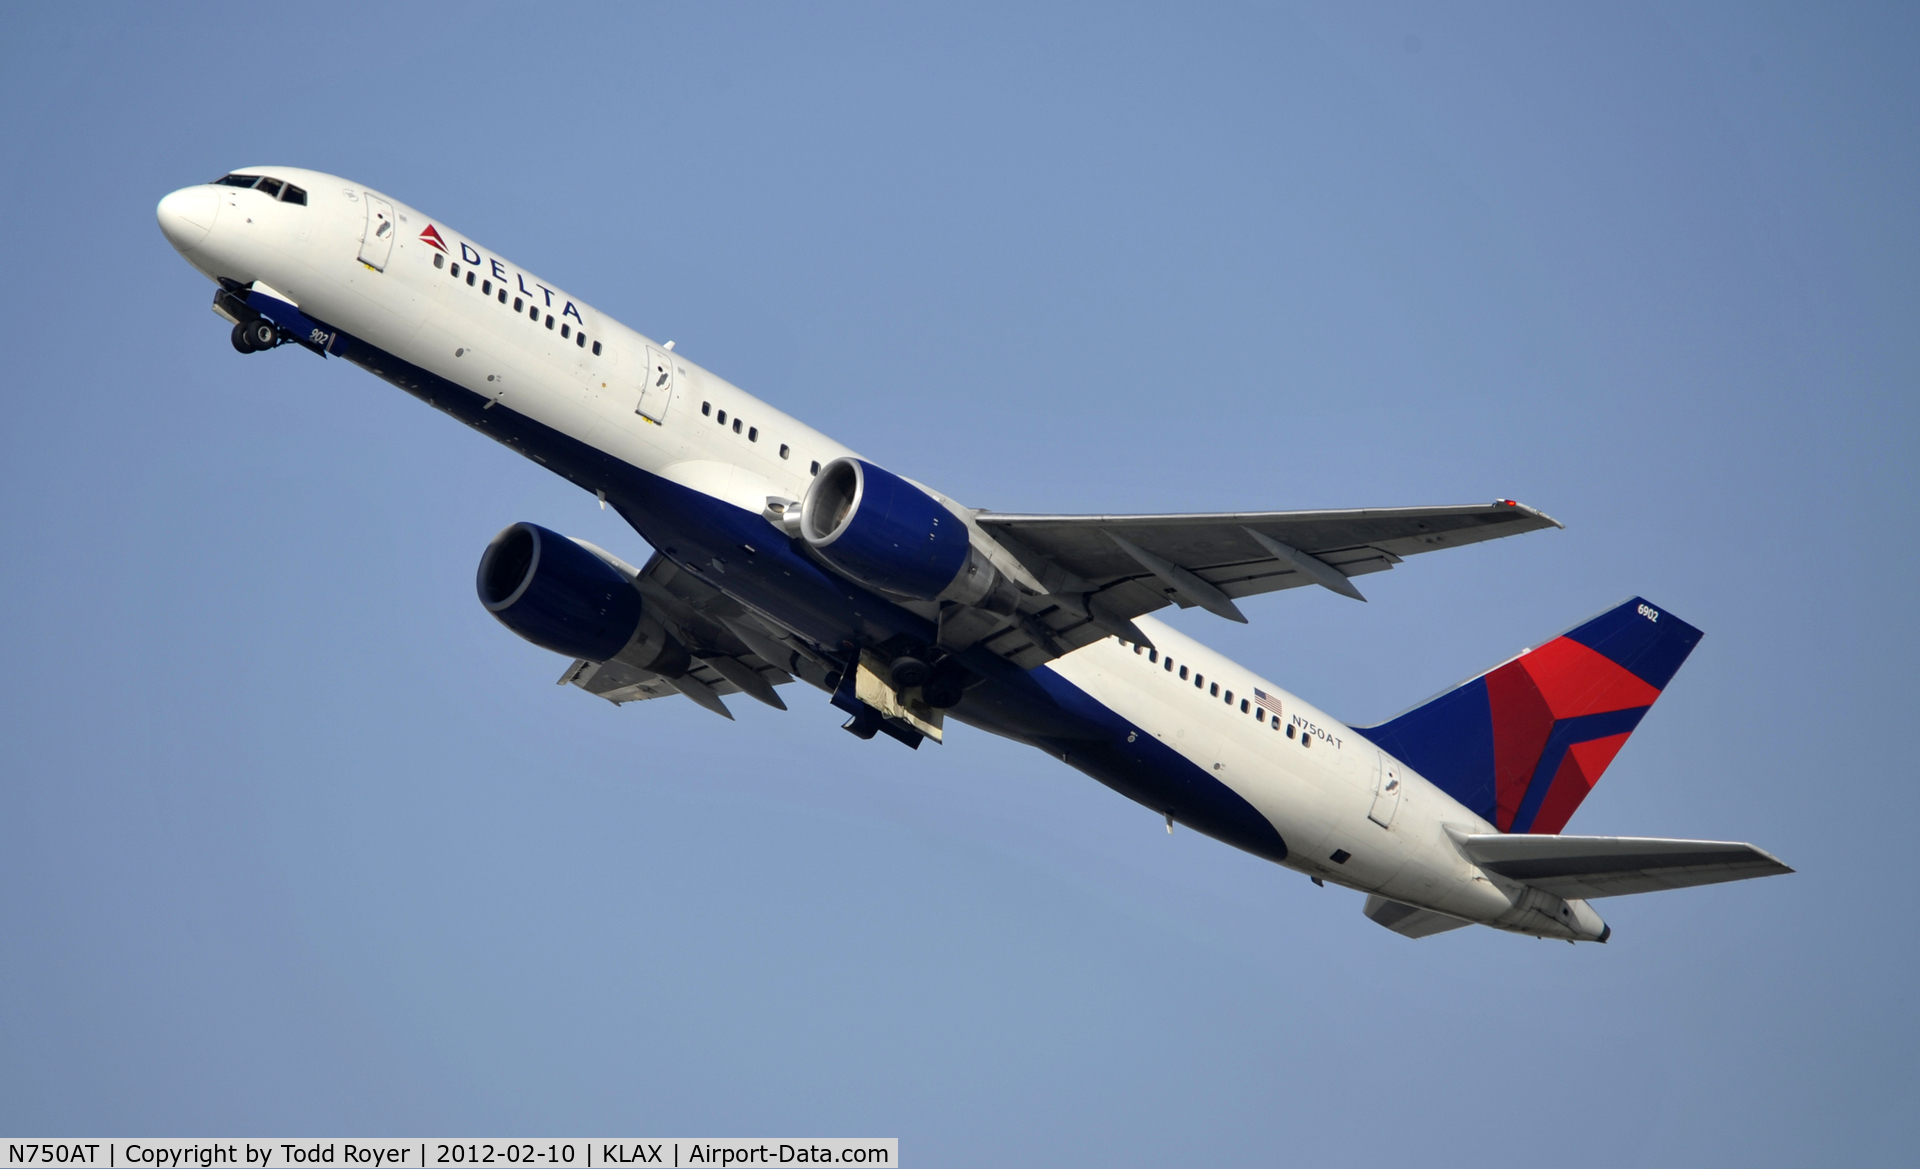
{"type": "Point", "coordinates": [563, 597]}
{"type": "Point", "coordinates": [881, 530]}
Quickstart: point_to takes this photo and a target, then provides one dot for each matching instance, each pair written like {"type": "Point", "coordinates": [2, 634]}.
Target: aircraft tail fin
{"type": "Point", "coordinates": [1523, 743]}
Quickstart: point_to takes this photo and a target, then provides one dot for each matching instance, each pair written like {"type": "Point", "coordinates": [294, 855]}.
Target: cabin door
{"type": "Point", "coordinates": [376, 246]}
{"type": "Point", "coordinates": [656, 386]}
{"type": "Point", "coordinates": [1386, 789]}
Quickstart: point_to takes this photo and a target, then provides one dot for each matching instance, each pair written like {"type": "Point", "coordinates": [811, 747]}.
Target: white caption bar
{"type": "Point", "coordinates": [430, 1153]}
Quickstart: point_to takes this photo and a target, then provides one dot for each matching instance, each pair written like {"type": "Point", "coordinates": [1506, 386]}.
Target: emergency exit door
{"type": "Point", "coordinates": [656, 388]}
{"type": "Point", "coordinates": [376, 246]}
{"type": "Point", "coordinates": [1386, 789]}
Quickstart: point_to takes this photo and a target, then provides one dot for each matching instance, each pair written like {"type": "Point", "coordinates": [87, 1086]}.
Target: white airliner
{"type": "Point", "coordinates": [781, 554]}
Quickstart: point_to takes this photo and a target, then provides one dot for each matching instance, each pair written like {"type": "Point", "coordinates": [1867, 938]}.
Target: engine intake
{"type": "Point", "coordinates": [883, 531]}
{"type": "Point", "coordinates": [562, 597]}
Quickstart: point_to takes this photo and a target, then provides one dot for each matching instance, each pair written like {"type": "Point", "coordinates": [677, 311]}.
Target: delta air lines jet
{"type": "Point", "coordinates": [783, 555]}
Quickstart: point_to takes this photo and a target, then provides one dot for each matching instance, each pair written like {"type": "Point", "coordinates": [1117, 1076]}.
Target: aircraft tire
{"type": "Point", "coordinates": [240, 339]}
{"type": "Point", "coordinates": [908, 671]}
{"type": "Point", "coordinates": [941, 693]}
{"type": "Point", "coordinates": [261, 334]}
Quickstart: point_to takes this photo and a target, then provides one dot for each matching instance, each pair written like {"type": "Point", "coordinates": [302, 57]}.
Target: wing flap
{"type": "Point", "coordinates": [1611, 866]}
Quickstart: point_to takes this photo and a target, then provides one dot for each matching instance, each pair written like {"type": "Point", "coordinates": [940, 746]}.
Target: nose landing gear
{"type": "Point", "coordinates": [255, 335]}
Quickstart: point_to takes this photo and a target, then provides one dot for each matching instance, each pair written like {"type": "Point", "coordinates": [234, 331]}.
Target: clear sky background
{"type": "Point", "coordinates": [298, 840]}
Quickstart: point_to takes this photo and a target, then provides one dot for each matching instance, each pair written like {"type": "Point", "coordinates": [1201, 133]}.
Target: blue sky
{"type": "Point", "coordinates": [299, 840]}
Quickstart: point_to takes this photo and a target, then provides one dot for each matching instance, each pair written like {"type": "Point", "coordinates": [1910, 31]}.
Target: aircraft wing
{"type": "Point", "coordinates": [1101, 571]}
{"type": "Point", "coordinates": [734, 652]}
{"type": "Point", "coordinates": [1609, 866]}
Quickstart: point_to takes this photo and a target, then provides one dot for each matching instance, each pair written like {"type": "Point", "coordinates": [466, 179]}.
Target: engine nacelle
{"type": "Point", "coordinates": [883, 531]}
{"type": "Point", "coordinates": [562, 597]}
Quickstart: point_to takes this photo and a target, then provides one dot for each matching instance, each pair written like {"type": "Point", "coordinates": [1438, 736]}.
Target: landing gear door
{"type": "Point", "coordinates": [656, 386]}
{"type": "Point", "coordinates": [1387, 782]}
{"type": "Point", "coordinates": [376, 246]}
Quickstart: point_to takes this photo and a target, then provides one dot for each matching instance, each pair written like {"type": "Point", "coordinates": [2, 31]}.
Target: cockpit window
{"type": "Point", "coordinates": [272, 188]}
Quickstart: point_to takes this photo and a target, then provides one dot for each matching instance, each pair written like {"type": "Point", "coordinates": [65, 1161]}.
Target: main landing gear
{"type": "Point", "coordinates": [941, 685]}
{"type": "Point", "coordinates": [255, 335]}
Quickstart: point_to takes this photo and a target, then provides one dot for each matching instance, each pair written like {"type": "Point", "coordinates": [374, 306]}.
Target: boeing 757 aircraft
{"type": "Point", "coordinates": [781, 554]}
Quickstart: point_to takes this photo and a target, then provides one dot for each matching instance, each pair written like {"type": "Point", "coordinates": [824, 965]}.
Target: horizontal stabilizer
{"type": "Point", "coordinates": [1608, 866]}
{"type": "Point", "coordinates": [1408, 920]}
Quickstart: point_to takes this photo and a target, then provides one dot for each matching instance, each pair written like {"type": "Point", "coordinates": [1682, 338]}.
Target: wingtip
{"type": "Point", "coordinates": [1532, 511]}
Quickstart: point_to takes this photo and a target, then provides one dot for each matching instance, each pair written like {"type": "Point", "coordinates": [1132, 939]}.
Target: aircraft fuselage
{"type": "Point", "coordinates": [1175, 727]}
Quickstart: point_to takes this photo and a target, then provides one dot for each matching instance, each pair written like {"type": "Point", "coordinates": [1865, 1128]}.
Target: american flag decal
{"type": "Point", "coordinates": [1266, 701]}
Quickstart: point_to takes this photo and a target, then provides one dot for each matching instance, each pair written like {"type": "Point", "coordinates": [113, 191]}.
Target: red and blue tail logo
{"type": "Point", "coordinates": [1523, 744]}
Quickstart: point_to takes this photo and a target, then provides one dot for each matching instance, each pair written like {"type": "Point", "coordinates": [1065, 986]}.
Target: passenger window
{"type": "Point", "coordinates": [722, 419]}
{"type": "Point", "coordinates": [580, 340]}
{"type": "Point", "coordinates": [439, 261]}
{"type": "Point", "coordinates": [1305, 740]}
{"type": "Point", "coordinates": [1276, 726]}
{"type": "Point", "coordinates": [518, 304]}
{"type": "Point", "coordinates": [566, 330]}
{"type": "Point", "coordinates": [456, 271]}
{"type": "Point", "coordinates": [596, 348]}
{"type": "Point", "coordinates": [549, 320]}
{"type": "Point", "coordinates": [753, 434]}
{"type": "Point", "coordinates": [271, 187]}
{"type": "Point", "coordinates": [706, 409]}
{"type": "Point", "coordinates": [469, 277]}
{"type": "Point", "coordinates": [486, 287]}
{"type": "Point", "coordinates": [294, 194]}
{"type": "Point", "coordinates": [1243, 706]}
{"type": "Point", "coordinates": [503, 296]}
{"type": "Point", "coordinates": [816, 468]}
{"type": "Point", "coordinates": [1138, 648]}
{"type": "Point", "coordinates": [533, 311]}
{"type": "Point", "coordinates": [1289, 729]}
{"type": "Point", "coordinates": [1198, 681]}
{"type": "Point", "coordinates": [1153, 655]}
{"type": "Point", "coordinates": [736, 426]}
{"type": "Point", "coordinates": [785, 450]}
{"type": "Point", "coordinates": [1213, 691]}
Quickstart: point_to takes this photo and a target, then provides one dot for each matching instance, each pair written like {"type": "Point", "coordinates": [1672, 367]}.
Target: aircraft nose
{"type": "Point", "coordinates": [186, 216]}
